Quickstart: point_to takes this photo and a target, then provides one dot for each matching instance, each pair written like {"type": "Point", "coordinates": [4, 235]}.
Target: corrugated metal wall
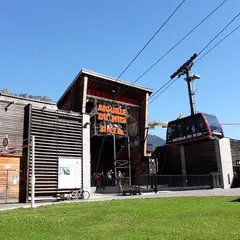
{"type": "Point", "coordinates": [57, 134]}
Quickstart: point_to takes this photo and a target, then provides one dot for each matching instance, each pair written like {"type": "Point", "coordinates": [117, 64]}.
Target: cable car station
{"type": "Point", "coordinates": [196, 140]}
{"type": "Point", "coordinates": [99, 126]}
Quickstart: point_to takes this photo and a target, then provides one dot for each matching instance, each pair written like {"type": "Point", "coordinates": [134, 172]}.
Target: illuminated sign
{"type": "Point", "coordinates": [108, 95]}
{"type": "Point", "coordinates": [112, 119]}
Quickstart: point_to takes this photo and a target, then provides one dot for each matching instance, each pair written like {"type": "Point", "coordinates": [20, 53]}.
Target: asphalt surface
{"type": "Point", "coordinates": [160, 194]}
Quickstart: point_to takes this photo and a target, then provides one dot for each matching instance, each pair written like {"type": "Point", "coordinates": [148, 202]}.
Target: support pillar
{"type": "Point", "coordinates": [183, 165]}
{"type": "Point", "coordinates": [84, 100]}
{"type": "Point", "coordinates": [129, 163]}
{"type": "Point", "coordinates": [146, 125]}
{"type": "Point", "coordinates": [86, 158]}
{"type": "Point", "coordinates": [114, 158]}
{"type": "Point", "coordinates": [224, 162]}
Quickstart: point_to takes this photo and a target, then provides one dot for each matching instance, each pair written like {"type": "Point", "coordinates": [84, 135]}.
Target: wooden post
{"type": "Point", "coordinates": [129, 162]}
{"type": "Point", "coordinates": [183, 164]}
{"type": "Point", "coordinates": [115, 160]}
{"type": "Point", "coordinates": [84, 99]}
{"type": "Point", "coordinates": [146, 125]}
{"type": "Point", "coordinates": [33, 174]}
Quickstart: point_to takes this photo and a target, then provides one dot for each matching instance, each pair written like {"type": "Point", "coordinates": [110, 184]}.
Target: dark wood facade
{"type": "Point", "coordinates": [90, 88]}
{"type": "Point", "coordinates": [12, 121]}
{"type": "Point", "coordinates": [11, 159]}
{"type": "Point", "coordinates": [200, 158]}
{"type": "Point", "coordinates": [235, 150]}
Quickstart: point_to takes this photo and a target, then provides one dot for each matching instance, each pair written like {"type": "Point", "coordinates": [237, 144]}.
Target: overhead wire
{"type": "Point", "coordinates": [234, 30]}
{"type": "Point", "coordinates": [220, 33]}
{"type": "Point", "coordinates": [171, 80]}
{"type": "Point", "coordinates": [154, 35]}
{"type": "Point", "coordinates": [166, 86]}
{"type": "Point", "coordinates": [171, 15]}
{"type": "Point", "coordinates": [164, 89]}
{"type": "Point", "coordinates": [211, 49]}
{"type": "Point", "coordinates": [174, 46]}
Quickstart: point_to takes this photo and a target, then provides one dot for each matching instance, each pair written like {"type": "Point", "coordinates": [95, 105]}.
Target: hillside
{"type": "Point", "coordinates": [154, 141]}
{"type": "Point", "coordinates": [26, 95]}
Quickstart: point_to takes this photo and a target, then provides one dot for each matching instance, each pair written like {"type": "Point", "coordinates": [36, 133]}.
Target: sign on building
{"type": "Point", "coordinates": [69, 173]}
{"type": "Point", "coordinates": [111, 119]}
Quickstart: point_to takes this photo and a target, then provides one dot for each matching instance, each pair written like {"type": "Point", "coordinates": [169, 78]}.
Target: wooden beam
{"type": "Point", "coordinates": [84, 100]}
{"type": "Point", "coordinates": [146, 124]}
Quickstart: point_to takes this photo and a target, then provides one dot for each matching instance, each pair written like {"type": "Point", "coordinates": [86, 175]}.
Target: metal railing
{"type": "Point", "coordinates": [183, 181]}
{"type": "Point", "coordinates": [9, 186]}
{"type": "Point", "coordinates": [154, 182]}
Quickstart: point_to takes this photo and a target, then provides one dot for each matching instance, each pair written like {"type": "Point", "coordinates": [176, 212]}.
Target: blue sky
{"type": "Point", "coordinates": [44, 44]}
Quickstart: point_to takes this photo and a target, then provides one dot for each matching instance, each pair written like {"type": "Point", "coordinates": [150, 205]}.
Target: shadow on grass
{"type": "Point", "coordinates": [236, 200]}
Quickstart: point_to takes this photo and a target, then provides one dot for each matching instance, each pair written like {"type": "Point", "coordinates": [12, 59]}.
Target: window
{"type": "Point", "coordinates": [200, 124]}
{"type": "Point", "coordinates": [189, 126]}
{"type": "Point", "coordinates": [213, 123]}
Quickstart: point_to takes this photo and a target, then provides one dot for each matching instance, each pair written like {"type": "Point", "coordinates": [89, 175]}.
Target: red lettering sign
{"type": "Point", "coordinates": [107, 95]}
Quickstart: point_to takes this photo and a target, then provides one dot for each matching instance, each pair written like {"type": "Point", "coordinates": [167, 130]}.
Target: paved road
{"type": "Point", "coordinates": [160, 194]}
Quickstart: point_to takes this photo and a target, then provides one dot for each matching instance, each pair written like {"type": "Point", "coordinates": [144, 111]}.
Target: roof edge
{"type": "Point", "coordinates": [27, 99]}
{"type": "Point", "coordinates": [95, 74]}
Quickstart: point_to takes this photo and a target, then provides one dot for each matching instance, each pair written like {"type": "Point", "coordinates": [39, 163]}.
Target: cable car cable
{"type": "Point", "coordinates": [234, 30]}
{"type": "Point", "coordinates": [135, 59]}
{"type": "Point", "coordinates": [171, 49]}
{"type": "Point", "coordinates": [172, 81]}
{"type": "Point", "coordinates": [151, 39]}
{"type": "Point", "coordinates": [220, 33]}
{"type": "Point", "coordinates": [198, 55]}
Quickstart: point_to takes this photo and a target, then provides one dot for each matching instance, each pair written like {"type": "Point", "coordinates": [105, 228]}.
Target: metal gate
{"type": "Point", "coordinates": [9, 186]}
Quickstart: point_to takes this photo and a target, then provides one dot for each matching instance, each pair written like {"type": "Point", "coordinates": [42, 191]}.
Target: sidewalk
{"type": "Point", "coordinates": [114, 196]}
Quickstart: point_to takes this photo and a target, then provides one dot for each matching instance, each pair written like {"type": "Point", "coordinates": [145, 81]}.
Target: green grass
{"type": "Point", "coordinates": [172, 218]}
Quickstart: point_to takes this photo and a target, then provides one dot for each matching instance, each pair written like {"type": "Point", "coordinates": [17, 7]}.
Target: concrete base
{"type": "Point", "coordinates": [225, 166]}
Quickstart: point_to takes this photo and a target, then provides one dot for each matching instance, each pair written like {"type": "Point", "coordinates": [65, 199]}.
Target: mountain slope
{"type": "Point", "coordinates": [154, 141]}
{"type": "Point", "coordinates": [26, 95]}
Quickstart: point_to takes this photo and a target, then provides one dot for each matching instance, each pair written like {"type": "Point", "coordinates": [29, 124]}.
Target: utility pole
{"type": "Point", "coordinates": [185, 69]}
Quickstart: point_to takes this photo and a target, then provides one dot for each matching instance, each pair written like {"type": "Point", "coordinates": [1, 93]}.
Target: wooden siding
{"type": "Point", "coordinates": [9, 178]}
{"type": "Point", "coordinates": [11, 124]}
{"type": "Point", "coordinates": [235, 150]}
{"type": "Point", "coordinates": [11, 121]}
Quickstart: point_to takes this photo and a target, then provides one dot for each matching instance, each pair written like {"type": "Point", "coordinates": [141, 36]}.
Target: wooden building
{"type": "Point", "coordinates": [97, 116]}
{"type": "Point", "coordinates": [119, 118]}
{"type": "Point", "coordinates": [11, 156]}
{"type": "Point", "coordinates": [59, 147]}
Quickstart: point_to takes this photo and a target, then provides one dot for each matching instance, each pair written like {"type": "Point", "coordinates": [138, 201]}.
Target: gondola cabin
{"type": "Point", "coordinates": [192, 128]}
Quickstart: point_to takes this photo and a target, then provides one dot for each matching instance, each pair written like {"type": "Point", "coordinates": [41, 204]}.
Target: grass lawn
{"type": "Point", "coordinates": [172, 218]}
